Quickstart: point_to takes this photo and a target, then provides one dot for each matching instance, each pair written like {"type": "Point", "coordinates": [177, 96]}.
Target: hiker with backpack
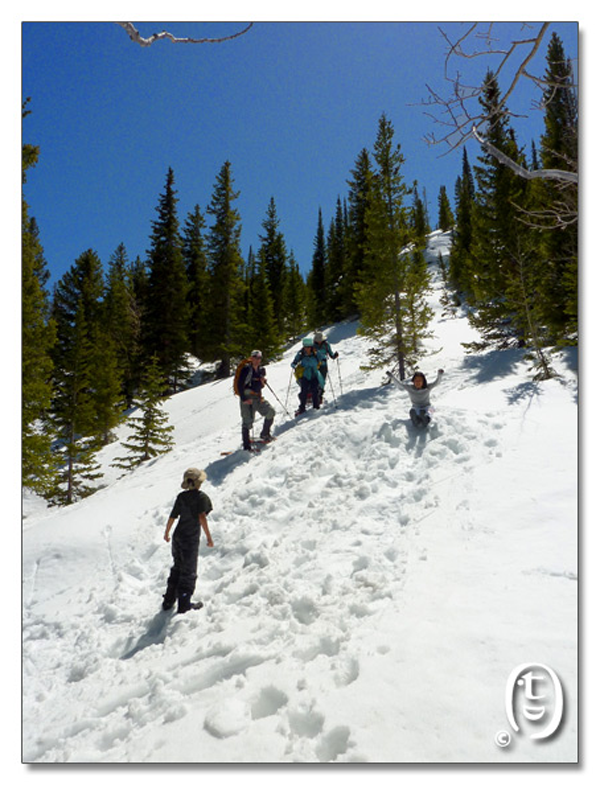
{"type": "Point", "coordinates": [308, 375]}
{"type": "Point", "coordinates": [250, 378]}
{"type": "Point", "coordinates": [191, 507]}
{"type": "Point", "coordinates": [323, 350]}
{"type": "Point", "coordinates": [418, 391]}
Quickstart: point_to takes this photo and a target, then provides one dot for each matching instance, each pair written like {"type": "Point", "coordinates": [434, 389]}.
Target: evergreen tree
{"type": "Point", "coordinates": [196, 263]}
{"type": "Point", "coordinates": [151, 435]}
{"type": "Point", "coordinates": [138, 284]}
{"type": "Point", "coordinates": [273, 256]}
{"type": "Point", "coordinates": [418, 221]}
{"type": "Point", "coordinates": [262, 331]}
{"type": "Point", "coordinates": [336, 266]}
{"type": "Point", "coordinates": [501, 241]}
{"type": "Point", "coordinates": [462, 238]}
{"type": "Point", "coordinates": [294, 300]}
{"type": "Point", "coordinates": [417, 314]}
{"type": "Point", "coordinates": [445, 215]}
{"type": "Point", "coordinates": [123, 325]}
{"type": "Point", "coordinates": [77, 311]}
{"type": "Point", "coordinates": [558, 203]}
{"type": "Point", "coordinates": [37, 339]}
{"type": "Point", "coordinates": [167, 313]}
{"type": "Point", "coordinates": [317, 303]}
{"type": "Point", "coordinates": [226, 269]}
{"type": "Point", "coordinates": [383, 283]}
{"type": "Point", "coordinates": [359, 197]}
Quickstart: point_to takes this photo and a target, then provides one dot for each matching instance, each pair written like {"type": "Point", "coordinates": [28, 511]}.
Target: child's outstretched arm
{"type": "Point", "coordinates": [437, 378]}
{"type": "Point", "coordinates": [401, 385]}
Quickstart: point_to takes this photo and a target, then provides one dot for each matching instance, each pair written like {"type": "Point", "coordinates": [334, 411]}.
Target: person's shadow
{"type": "Point", "coordinates": [156, 633]}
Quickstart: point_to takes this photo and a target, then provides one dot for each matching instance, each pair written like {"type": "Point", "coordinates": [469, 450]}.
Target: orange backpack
{"type": "Point", "coordinates": [238, 373]}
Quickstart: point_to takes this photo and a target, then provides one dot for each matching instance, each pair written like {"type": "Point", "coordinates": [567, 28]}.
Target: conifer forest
{"type": "Point", "coordinates": [114, 336]}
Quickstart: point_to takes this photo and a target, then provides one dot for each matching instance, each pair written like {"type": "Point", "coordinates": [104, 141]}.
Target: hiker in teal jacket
{"type": "Point", "coordinates": [323, 350]}
{"type": "Point", "coordinates": [306, 365]}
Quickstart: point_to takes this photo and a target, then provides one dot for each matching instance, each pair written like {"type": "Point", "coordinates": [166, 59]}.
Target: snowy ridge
{"type": "Point", "coordinates": [370, 589]}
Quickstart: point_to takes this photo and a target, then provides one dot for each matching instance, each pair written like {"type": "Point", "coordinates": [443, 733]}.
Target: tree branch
{"type": "Point", "coordinates": [542, 174]}
{"type": "Point", "coordinates": [138, 39]}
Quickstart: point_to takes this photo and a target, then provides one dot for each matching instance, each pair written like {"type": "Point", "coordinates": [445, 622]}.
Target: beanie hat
{"type": "Point", "coordinates": [256, 353]}
{"type": "Point", "coordinates": [193, 478]}
{"type": "Point", "coordinates": [319, 337]}
{"type": "Point", "coordinates": [307, 342]}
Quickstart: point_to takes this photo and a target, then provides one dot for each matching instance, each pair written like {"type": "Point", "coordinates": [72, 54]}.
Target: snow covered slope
{"type": "Point", "coordinates": [370, 590]}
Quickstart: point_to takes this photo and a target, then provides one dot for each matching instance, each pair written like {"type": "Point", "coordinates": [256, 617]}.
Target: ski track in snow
{"type": "Point", "coordinates": [289, 608]}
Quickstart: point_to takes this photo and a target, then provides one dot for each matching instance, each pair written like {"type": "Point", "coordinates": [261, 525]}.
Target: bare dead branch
{"type": "Point", "coordinates": [455, 109]}
{"type": "Point", "coordinates": [135, 36]}
{"type": "Point", "coordinates": [542, 174]}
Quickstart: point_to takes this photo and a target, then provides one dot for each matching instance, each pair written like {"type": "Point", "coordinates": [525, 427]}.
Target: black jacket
{"type": "Point", "coordinates": [188, 506]}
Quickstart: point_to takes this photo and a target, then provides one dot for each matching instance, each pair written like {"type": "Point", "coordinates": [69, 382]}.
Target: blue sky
{"type": "Point", "coordinates": [289, 104]}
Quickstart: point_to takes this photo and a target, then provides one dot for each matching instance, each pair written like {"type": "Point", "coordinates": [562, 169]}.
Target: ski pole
{"type": "Point", "coordinates": [277, 399]}
{"type": "Point", "coordinates": [288, 389]}
{"type": "Point", "coordinates": [339, 375]}
{"type": "Point", "coordinates": [332, 392]}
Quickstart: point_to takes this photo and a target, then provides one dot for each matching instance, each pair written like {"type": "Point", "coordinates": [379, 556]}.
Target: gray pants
{"type": "Point", "coordinates": [249, 411]}
{"type": "Point", "coordinates": [256, 405]}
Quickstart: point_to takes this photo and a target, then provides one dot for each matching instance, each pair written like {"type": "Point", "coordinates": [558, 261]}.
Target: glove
{"type": "Point", "coordinates": [336, 355]}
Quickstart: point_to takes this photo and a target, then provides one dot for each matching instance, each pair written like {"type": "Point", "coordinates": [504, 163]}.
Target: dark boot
{"type": "Point", "coordinates": [185, 604]}
{"type": "Point", "coordinates": [169, 598]}
{"type": "Point", "coordinates": [265, 434]}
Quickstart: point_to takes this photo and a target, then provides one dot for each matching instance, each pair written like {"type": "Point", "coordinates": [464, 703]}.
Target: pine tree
{"type": "Point", "coordinates": [418, 221]}
{"type": "Point", "coordinates": [336, 266]}
{"type": "Point", "coordinates": [273, 256]}
{"type": "Point", "coordinates": [77, 311]}
{"type": "Point", "coordinates": [417, 313]}
{"type": "Point", "coordinates": [167, 314]}
{"type": "Point", "coordinates": [294, 300]}
{"type": "Point", "coordinates": [500, 239]}
{"type": "Point", "coordinates": [445, 215]}
{"type": "Point", "coordinates": [37, 340]}
{"type": "Point", "coordinates": [317, 303]}
{"type": "Point", "coordinates": [196, 263]}
{"type": "Point", "coordinates": [151, 435]}
{"type": "Point", "coordinates": [359, 197]}
{"type": "Point", "coordinates": [559, 202]}
{"type": "Point", "coordinates": [462, 238]}
{"type": "Point", "coordinates": [383, 283]}
{"type": "Point", "coordinates": [123, 321]}
{"type": "Point", "coordinates": [226, 269]}
{"type": "Point", "coordinates": [262, 331]}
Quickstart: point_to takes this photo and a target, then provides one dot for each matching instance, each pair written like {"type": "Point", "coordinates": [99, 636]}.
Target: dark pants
{"type": "Point", "coordinates": [309, 386]}
{"type": "Point", "coordinates": [184, 572]}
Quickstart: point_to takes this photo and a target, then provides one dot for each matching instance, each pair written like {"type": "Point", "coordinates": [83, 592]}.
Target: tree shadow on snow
{"type": "Point", "coordinates": [493, 365]}
{"type": "Point", "coordinates": [156, 633]}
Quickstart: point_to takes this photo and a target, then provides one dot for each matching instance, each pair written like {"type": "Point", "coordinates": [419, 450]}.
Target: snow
{"type": "Point", "coordinates": [370, 590]}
